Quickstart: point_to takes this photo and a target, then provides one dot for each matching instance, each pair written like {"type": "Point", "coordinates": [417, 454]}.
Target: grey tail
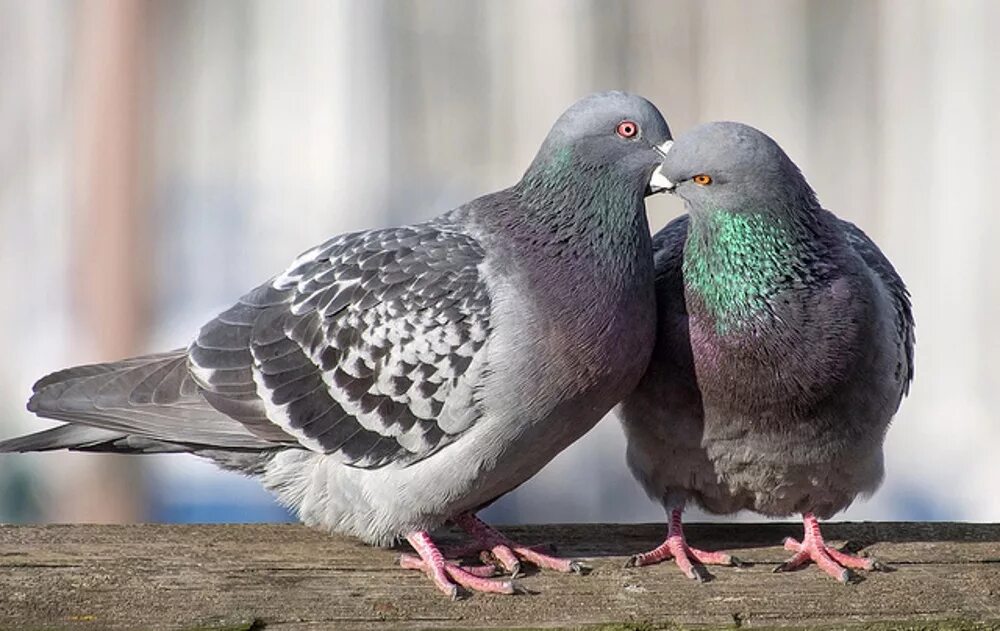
{"type": "Point", "coordinates": [84, 438]}
{"type": "Point", "coordinates": [144, 404]}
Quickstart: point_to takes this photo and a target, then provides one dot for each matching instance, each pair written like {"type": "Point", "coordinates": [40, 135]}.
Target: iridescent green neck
{"type": "Point", "coordinates": [734, 261]}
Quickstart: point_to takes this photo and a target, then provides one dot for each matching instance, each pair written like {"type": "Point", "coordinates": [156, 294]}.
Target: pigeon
{"type": "Point", "coordinates": [784, 347]}
{"type": "Point", "coordinates": [391, 381]}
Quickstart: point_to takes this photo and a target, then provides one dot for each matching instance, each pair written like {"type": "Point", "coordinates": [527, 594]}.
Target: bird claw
{"type": "Point", "coordinates": [845, 575]}
{"type": "Point", "coordinates": [504, 558]}
{"type": "Point", "coordinates": [448, 576]}
{"type": "Point", "coordinates": [548, 562]}
{"type": "Point", "coordinates": [700, 574]}
{"type": "Point", "coordinates": [839, 565]}
{"type": "Point", "coordinates": [514, 569]}
{"type": "Point", "coordinates": [507, 554]}
{"type": "Point", "coordinates": [738, 562]}
{"type": "Point", "coordinates": [690, 561]}
{"type": "Point", "coordinates": [878, 566]}
{"type": "Point", "coordinates": [521, 590]}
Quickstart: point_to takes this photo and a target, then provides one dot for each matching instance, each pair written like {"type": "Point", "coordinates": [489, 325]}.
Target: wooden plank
{"type": "Point", "coordinates": [947, 575]}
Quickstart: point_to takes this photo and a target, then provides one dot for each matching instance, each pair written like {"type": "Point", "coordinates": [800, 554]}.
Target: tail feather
{"type": "Point", "coordinates": [86, 438]}
{"type": "Point", "coordinates": [151, 398]}
{"type": "Point", "coordinates": [94, 370]}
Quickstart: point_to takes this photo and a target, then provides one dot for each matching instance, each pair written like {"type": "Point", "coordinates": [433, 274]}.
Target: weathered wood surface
{"type": "Point", "coordinates": [947, 575]}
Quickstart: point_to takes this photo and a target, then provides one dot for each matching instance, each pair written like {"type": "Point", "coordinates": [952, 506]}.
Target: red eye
{"type": "Point", "coordinates": [627, 129]}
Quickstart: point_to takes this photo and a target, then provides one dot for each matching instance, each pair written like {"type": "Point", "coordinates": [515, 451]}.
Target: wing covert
{"type": "Point", "coordinates": [370, 346]}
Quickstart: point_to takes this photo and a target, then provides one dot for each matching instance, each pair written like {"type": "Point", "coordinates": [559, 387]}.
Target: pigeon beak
{"type": "Point", "coordinates": [659, 182]}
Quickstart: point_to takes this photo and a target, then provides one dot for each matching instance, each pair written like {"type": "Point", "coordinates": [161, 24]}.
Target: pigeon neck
{"type": "Point", "coordinates": [571, 209]}
{"type": "Point", "coordinates": [736, 261]}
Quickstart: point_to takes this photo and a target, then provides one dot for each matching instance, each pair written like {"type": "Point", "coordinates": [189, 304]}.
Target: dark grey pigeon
{"type": "Point", "coordinates": [784, 347]}
{"type": "Point", "coordinates": [392, 380]}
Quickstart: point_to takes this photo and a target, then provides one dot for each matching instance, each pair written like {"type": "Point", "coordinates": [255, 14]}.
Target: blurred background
{"type": "Point", "coordinates": [158, 159]}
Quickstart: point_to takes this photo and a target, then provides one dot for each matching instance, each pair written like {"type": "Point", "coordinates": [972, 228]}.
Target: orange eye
{"type": "Point", "coordinates": [702, 179]}
{"type": "Point", "coordinates": [627, 129]}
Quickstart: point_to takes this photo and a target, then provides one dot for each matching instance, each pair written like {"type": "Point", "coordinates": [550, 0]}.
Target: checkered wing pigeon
{"type": "Point", "coordinates": [392, 380]}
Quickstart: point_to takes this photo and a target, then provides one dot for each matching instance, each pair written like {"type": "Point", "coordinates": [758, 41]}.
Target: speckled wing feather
{"type": "Point", "coordinates": [370, 346]}
{"type": "Point", "coordinates": [873, 257]}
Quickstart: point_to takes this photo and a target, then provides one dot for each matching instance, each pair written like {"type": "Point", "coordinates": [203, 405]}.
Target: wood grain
{"type": "Point", "coordinates": [946, 575]}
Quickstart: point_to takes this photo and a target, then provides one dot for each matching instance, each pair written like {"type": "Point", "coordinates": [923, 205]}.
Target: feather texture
{"type": "Point", "coordinates": [784, 341]}
{"type": "Point", "coordinates": [369, 346]}
{"type": "Point", "coordinates": [389, 380]}
{"type": "Point", "coordinates": [153, 396]}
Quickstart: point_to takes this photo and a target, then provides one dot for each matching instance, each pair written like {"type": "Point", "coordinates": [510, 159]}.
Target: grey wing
{"type": "Point", "coordinates": [668, 254]}
{"type": "Point", "coordinates": [370, 346]}
{"type": "Point", "coordinates": [672, 346]}
{"type": "Point", "coordinates": [878, 263]}
{"type": "Point", "coordinates": [662, 417]}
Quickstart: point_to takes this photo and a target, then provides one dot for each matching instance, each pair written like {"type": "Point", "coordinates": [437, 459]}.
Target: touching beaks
{"type": "Point", "coordinates": [659, 182]}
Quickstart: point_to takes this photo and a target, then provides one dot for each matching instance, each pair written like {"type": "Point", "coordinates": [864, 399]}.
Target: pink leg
{"type": "Point", "coordinates": [834, 562]}
{"type": "Point", "coordinates": [675, 547]}
{"type": "Point", "coordinates": [411, 562]}
{"type": "Point", "coordinates": [509, 554]}
{"type": "Point", "coordinates": [443, 573]}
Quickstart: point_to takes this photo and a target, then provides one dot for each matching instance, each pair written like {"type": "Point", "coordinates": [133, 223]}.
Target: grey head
{"type": "Point", "coordinates": [734, 167]}
{"type": "Point", "coordinates": [608, 132]}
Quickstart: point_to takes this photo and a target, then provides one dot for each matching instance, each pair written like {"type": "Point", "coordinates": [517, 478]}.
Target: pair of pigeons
{"type": "Point", "coordinates": [390, 381]}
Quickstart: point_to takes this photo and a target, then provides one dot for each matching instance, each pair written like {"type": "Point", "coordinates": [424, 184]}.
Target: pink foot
{"type": "Point", "coordinates": [412, 562]}
{"type": "Point", "coordinates": [447, 575]}
{"type": "Point", "coordinates": [502, 551]}
{"type": "Point", "coordinates": [690, 560]}
{"type": "Point", "coordinates": [812, 548]}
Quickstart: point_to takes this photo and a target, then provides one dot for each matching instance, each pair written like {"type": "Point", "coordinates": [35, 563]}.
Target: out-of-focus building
{"type": "Point", "coordinates": [158, 159]}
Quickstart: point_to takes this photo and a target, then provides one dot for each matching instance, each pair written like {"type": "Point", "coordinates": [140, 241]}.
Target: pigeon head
{"type": "Point", "coordinates": [608, 134]}
{"type": "Point", "coordinates": [725, 166]}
